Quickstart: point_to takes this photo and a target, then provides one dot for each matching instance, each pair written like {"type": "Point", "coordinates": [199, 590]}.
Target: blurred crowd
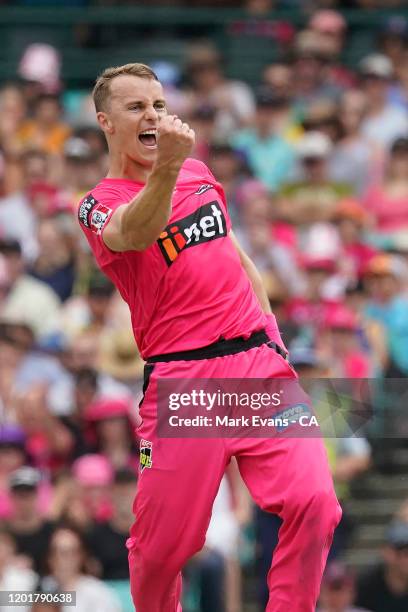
{"type": "Point", "coordinates": [314, 162]}
{"type": "Point", "coordinates": [255, 5]}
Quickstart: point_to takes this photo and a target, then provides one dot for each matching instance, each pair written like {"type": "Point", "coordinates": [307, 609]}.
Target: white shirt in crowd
{"type": "Point", "coordinates": [17, 579]}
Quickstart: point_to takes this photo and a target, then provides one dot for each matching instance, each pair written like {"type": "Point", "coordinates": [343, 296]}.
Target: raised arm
{"type": "Point", "coordinates": [138, 224]}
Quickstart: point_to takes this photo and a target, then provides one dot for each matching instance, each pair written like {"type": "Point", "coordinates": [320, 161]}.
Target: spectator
{"type": "Point", "coordinates": [55, 264]}
{"type": "Point", "coordinates": [312, 308]}
{"type": "Point", "coordinates": [355, 160]}
{"type": "Point", "coordinates": [13, 349]}
{"type": "Point", "coordinates": [83, 166]}
{"type": "Point", "coordinates": [91, 312]}
{"type": "Point", "coordinates": [310, 61]}
{"type": "Point", "coordinates": [233, 100]}
{"type": "Point", "coordinates": [258, 29]}
{"type": "Point", "coordinates": [349, 454]}
{"type": "Point", "coordinates": [383, 122]}
{"type": "Point", "coordinates": [349, 457]}
{"type": "Point", "coordinates": [83, 352]}
{"type": "Point", "coordinates": [91, 497]}
{"type": "Point", "coordinates": [13, 107]}
{"type": "Point", "coordinates": [402, 512]}
{"type": "Point", "coordinates": [331, 27]}
{"type": "Point", "coordinates": [205, 574]}
{"type": "Point", "coordinates": [22, 365]}
{"type": "Point", "coordinates": [49, 442]}
{"type": "Point", "coordinates": [387, 202]}
{"type": "Point", "coordinates": [385, 586]}
{"type": "Point", "coordinates": [13, 575]}
{"type": "Point", "coordinates": [27, 525]}
{"type": "Point", "coordinates": [398, 94]}
{"type": "Point", "coordinates": [321, 116]}
{"type": "Point", "coordinates": [392, 39]}
{"type": "Point", "coordinates": [86, 387]}
{"type": "Point", "coordinates": [350, 220]}
{"type": "Point", "coordinates": [340, 343]}
{"type": "Point", "coordinates": [371, 333]}
{"type": "Point", "coordinates": [85, 383]}
{"type": "Point", "coordinates": [94, 138]}
{"type": "Point", "coordinates": [268, 154]}
{"type": "Point", "coordinates": [314, 197]}
{"type": "Point", "coordinates": [202, 120]}
{"type": "Point", "coordinates": [307, 361]}
{"type": "Point", "coordinates": [261, 239]}
{"type": "Point", "coordinates": [120, 360]}
{"type": "Point", "coordinates": [111, 432]}
{"type": "Point", "coordinates": [46, 131]}
{"type": "Point", "coordinates": [169, 75]}
{"type": "Point", "coordinates": [107, 540]}
{"type": "Point", "coordinates": [229, 166]}
{"type": "Point", "coordinates": [12, 457]}
{"type": "Point", "coordinates": [28, 200]}
{"type": "Point", "coordinates": [278, 77]}
{"type": "Point", "coordinates": [41, 606]}
{"type": "Point", "coordinates": [66, 559]}
{"type": "Point", "coordinates": [338, 590]}
{"type": "Point", "coordinates": [388, 306]}
{"type": "Point", "coordinates": [267, 525]}
{"type": "Point", "coordinates": [113, 558]}
{"type": "Point", "coordinates": [38, 182]}
{"type": "Point", "coordinates": [27, 298]}
{"type": "Point", "coordinates": [41, 65]}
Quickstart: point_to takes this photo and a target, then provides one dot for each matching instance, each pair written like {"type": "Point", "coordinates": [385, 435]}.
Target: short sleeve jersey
{"type": "Point", "coordinates": [188, 289]}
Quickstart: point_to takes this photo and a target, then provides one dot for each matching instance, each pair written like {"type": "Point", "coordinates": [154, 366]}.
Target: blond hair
{"type": "Point", "coordinates": [101, 91]}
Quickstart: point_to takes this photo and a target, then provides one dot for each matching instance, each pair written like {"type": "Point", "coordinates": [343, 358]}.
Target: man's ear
{"type": "Point", "coordinates": [105, 122]}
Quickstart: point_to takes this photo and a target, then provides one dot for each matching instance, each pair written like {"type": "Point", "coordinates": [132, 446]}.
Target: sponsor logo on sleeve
{"type": "Point", "coordinates": [203, 188]}
{"type": "Point", "coordinates": [205, 224]}
{"type": "Point", "coordinates": [99, 217]}
{"type": "Point", "coordinates": [93, 215]}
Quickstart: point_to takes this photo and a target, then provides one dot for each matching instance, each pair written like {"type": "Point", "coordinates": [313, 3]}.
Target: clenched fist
{"type": "Point", "coordinates": [175, 142]}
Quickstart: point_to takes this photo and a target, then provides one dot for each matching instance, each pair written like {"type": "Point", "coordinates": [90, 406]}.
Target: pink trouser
{"type": "Point", "coordinates": [286, 476]}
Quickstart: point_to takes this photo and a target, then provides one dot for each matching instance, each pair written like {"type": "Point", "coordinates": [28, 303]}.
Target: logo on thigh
{"type": "Point", "coordinates": [146, 451]}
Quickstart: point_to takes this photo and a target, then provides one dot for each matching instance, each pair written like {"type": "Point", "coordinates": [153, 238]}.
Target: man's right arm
{"type": "Point", "coordinates": [138, 224]}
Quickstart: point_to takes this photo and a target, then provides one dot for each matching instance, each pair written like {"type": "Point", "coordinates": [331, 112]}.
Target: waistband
{"type": "Point", "coordinates": [221, 348]}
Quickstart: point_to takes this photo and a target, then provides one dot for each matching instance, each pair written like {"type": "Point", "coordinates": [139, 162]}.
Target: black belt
{"type": "Point", "coordinates": [221, 348]}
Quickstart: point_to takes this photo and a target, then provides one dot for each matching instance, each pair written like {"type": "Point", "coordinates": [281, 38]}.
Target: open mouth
{"type": "Point", "coordinates": [148, 138]}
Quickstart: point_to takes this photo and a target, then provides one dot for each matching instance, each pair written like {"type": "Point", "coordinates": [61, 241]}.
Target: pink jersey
{"type": "Point", "coordinates": [188, 289]}
{"type": "Point", "coordinates": [390, 212]}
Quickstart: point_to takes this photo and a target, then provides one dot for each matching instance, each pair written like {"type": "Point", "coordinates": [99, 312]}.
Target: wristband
{"type": "Point", "coordinates": [272, 330]}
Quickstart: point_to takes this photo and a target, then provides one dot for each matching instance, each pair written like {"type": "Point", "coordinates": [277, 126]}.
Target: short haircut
{"type": "Point", "coordinates": [101, 91]}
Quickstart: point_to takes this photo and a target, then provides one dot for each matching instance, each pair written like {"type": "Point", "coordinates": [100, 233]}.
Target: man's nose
{"type": "Point", "coordinates": [151, 113]}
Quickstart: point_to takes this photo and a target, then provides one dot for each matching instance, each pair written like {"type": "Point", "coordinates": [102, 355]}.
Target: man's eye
{"type": "Point", "coordinates": [135, 107]}
{"type": "Point", "coordinates": [160, 107]}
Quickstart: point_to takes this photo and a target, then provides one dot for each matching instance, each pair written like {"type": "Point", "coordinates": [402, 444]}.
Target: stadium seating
{"type": "Point", "coordinates": [92, 38]}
